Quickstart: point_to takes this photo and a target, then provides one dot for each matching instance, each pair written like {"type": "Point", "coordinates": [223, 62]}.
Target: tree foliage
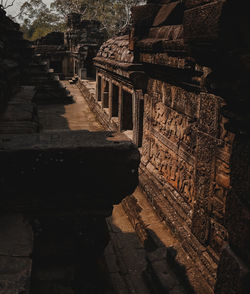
{"type": "Point", "coordinates": [113, 14]}
{"type": "Point", "coordinates": [38, 20]}
{"type": "Point", "coordinates": [7, 3]}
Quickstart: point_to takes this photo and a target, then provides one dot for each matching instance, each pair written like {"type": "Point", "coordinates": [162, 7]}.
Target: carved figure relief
{"type": "Point", "coordinates": [174, 170]}
{"type": "Point", "coordinates": [174, 126]}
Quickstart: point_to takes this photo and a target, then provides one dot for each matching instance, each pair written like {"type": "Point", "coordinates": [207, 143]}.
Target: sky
{"type": "Point", "coordinates": [15, 8]}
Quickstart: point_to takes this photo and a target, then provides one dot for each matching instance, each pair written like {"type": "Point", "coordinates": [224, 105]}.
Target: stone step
{"type": "Point", "coordinates": [125, 256]}
{"type": "Point", "coordinates": [20, 115]}
{"type": "Point", "coordinates": [133, 268]}
{"type": "Point", "coordinates": [15, 253]}
{"type": "Point", "coordinates": [160, 274]}
{"type": "Point", "coordinates": [17, 127]}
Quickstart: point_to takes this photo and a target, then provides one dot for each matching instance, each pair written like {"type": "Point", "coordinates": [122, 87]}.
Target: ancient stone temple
{"type": "Point", "coordinates": [52, 213]}
{"type": "Point", "coordinates": [83, 39]}
{"type": "Point", "coordinates": [71, 53]}
{"type": "Point", "coordinates": [177, 86]}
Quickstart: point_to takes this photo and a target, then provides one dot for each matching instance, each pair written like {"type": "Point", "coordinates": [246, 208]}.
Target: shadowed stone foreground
{"type": "Point", "coordinates": [65, 166]}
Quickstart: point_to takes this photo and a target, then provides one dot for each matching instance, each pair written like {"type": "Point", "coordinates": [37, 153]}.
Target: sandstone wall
{"type": "Point", "coordinates": [194, 59]}
{"type": "Point", "coordinates": [194, 129]}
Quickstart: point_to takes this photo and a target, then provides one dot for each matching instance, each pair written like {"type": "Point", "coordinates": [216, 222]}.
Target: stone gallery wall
{"type": "Point", "coordinates": [190, 51]}
{"type": "Point", "coordinates": [194, 59]}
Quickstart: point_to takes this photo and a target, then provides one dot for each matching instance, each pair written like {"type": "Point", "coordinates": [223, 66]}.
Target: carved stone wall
{"type": "Point", "coordinates": [194, 56]}
{"type": "Point", "coordinates": [191, 122]}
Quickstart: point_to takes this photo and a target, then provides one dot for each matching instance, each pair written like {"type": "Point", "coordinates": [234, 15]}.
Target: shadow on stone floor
{"type": "Point", "coordinates": [142, 267]}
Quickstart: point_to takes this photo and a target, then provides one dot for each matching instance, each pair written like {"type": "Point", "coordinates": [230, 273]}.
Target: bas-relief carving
{"type": "Point", "coordinates": [226, 139]}
{"type": "Point", "coordinates": [205, 160]}
{"type": "Point", "coordinates": [178, 128]}
{"type": "Point", "coordinates": [180, 119]}
{"type": "Point", "coordinates": [209, 114]}
{"type": "Point", "coordinates": [218, 236]}
{"type": "Point", "coordinates": [204, 183]}
{"type": "Point", "coordinates": [177, 98]}
{"type": "Point", "coordinates": [173, 169]}
{"type": "Point", "coordinates": [146, 143]}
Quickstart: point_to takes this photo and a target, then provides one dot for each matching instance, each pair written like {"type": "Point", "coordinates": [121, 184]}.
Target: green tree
{"type": "Point", "coordinates": [37, 20]}
{"type": "Point", "coordinates": [113, 14]}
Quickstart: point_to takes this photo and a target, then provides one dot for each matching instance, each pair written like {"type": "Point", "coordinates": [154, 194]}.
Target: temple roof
{"type": "Point", "coordinates": [117, 49]}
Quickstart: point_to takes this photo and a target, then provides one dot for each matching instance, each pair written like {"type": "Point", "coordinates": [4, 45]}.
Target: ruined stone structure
{"type": "Point", "coordinates": [52, 51]}
{"type": "Point", "coordinates": [12, 58]}
{"type": "Point", "coordinates": [119, 85]}
{"type": "Point", "coordinates": [83, 39]}
{"type": "Point", "coordinates": [178, 86]}
{"type": "Point", "coordinates": [71, 53]}
{"type": "Point", "coordinates": [52, 213]}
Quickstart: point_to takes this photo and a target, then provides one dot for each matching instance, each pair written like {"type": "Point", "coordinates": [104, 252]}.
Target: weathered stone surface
{"type": "Point", "coordinates": [233, 275]}
{"type": "Point", "coordinates": [117, 49]}
{"type": "Point", "coordinates": [67, 157]}
{"type": "Point", "coordinates": [16, 236]}
{"type": "Point", "coordinates": [14, 274]}
{"type": "Point", "coordinates": [194, 109]}
{"type": "Point", "coordinates": [16, 246]}
{"type": "Point", "coordinates": [214, 28]}
{"type": "Point", "coordinates": [13, 56]}
{"type": "Point", "coordinates": [237, 214]}
{"type": "Point", "coordinates": [171, 13]}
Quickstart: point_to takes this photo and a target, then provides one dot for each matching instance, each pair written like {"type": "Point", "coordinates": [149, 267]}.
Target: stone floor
{"type": "Point", "coordinates": [139, 247]}
{"type": "Point", "coordinates": [53, 244]}
{"type": "Point", "coordinates": [130, 266]}
{"type": "Point", "coordinates": [16, 243]}
{"type": "Point", "coordinates": [75, 116]}
{"type": "Point", "coordinates": [141, 262]}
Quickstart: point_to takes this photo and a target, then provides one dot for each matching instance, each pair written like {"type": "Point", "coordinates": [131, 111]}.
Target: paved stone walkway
{"type": "Point", "coordinates": [76, 116]}
{"type": "Point", "coordinates": [130, 264]}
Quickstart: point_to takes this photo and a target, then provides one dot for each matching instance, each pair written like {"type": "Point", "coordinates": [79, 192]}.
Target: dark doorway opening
{"type": "Point", "coordinates": [115, 100]}
{"type": "Point", "coordinates": [127, 112]}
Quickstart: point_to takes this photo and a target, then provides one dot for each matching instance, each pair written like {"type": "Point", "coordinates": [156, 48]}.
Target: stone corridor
{"type": "Point", "coordinates": [74, 116]}
{"type": "Point", "coordinates": [124, 162]}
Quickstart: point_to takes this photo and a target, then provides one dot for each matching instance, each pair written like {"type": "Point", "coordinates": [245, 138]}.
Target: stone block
{"type": "Point", "coordinates": [71, 164]}
{"type": "Point", "coordinates": [14, 274]}
{"type": "Point", "coordinates": [16, 236]}
{"type": "Point", "coordinates": [169, 14]}
{"type": "Point", "coordinates": [193, 3]}
{"type": "Point", "coordinates": [233, 276]}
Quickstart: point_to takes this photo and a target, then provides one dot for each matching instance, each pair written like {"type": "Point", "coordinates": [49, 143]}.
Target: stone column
{"type": "Point", "coordinates": [138, 109]}
{"type": "Point", "coordinates": [105, 93]}
{"type": "Point", "coordinates": [120, 111]}
{"type": "Point", "coordinates": [110, 104]}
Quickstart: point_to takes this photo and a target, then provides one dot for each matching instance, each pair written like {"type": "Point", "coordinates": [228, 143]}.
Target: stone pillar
{"type": "Point", "coordinates": [83, 73]}
{"type": "Point", "coordinates": [120, 111]}
{"type": "Point", "coordinates": [65, 66]}
{"type": "Point", "coordinates": [105, 93]}
{"type": "Point", "coordinates": [138, 109]}
{"type": "Point", "coordinates": [97, 86]}
{"type": "Point", "coordinates": [110, 104]}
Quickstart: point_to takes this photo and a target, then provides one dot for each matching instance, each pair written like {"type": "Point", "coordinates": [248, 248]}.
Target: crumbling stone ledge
{"type": "Point", "coordinates": [95, 170]}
